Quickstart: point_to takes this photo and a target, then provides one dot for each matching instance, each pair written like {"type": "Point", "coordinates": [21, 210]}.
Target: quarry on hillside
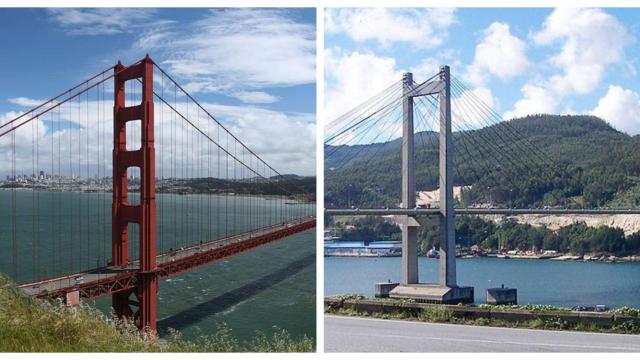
{"type": "Point", "coordinates": [628, 223]}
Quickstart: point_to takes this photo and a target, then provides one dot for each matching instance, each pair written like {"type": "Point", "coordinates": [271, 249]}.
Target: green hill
{"type": "Point", "coordinates": [571, 161]}
{"type": "Point", "coordinates": [279, 186]}
{"type": "Point", "coordinates": [28, 325]}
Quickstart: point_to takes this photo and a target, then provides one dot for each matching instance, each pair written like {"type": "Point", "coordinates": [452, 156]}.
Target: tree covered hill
{"type": "Point", "coordinates": [539, 160]}
{"type": "Point", "coordinates": [287, 185]}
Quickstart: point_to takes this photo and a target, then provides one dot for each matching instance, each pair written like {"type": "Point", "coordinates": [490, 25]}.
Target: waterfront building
{"type": "Point", "coordinates": [362, 248]}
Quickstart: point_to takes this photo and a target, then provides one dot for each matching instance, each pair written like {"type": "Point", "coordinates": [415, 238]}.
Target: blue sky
{"type": "Point", "coordinates": [246, 65]}
{"type": "Point", "coordinates": [519, 61]}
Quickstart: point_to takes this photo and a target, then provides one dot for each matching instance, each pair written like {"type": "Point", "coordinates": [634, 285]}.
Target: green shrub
{"type": "Point", "coordinates": [350, 297]}
{"type": "Point", "coordinates": [626, 311]}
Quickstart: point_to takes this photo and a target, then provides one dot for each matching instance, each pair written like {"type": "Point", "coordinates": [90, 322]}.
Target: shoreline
{"type": "Point", "coordinates": [596, 258]}
{"type": "Point", "coordinates": [100, 191]}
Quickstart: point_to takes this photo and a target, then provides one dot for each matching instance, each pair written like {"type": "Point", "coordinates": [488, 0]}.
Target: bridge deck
{"type": "Point", "coordinates": [482, 211]}
{"type": "Point", "coordinates": [106, 280]}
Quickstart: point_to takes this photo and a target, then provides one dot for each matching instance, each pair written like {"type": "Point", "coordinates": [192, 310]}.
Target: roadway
{"type": "Point", "coordinates": [481, 211]}
{"type": "Point", "coordinates": [355, 334]}
{"type": "Point", "coordinates": [43, 288]}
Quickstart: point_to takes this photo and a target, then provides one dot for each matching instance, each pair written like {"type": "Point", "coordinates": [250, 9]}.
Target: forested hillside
{"type": "Point", "coordinates": [541, 160]}
{"type": "Point", "coordinates": [284, 185]}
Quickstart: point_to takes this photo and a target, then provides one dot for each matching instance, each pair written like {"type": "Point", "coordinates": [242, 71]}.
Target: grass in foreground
{"type": "Point", "coordinates": [443, 316]}
{"type": "Point", "coordinates": [29, 325]}
{"type": "Point", "coordinates": [440, 314]}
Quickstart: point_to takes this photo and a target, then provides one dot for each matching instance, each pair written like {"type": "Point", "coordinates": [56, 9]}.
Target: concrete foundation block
{"type": "Point", "coordinates": [382, 289]}
{"type": "Point", "coordinates": [502, 296]}
{"type": "Point", "coordinates": [432, 293]}
{"type": "Point", "coordinates": [72, 298]}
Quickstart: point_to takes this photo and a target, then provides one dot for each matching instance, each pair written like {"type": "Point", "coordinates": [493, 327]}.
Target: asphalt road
{"type": "Point", "coordinates": [353, 334]}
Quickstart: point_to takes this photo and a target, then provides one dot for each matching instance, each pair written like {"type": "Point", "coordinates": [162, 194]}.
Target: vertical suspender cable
{"type": "Point", "coordinates": [104, 175]}
{"type": "Point", "coordinates": [99, 221]}
{"type": "Point", "coordinates": [33, 201]}
{"type": "Point", "coordinates": [243, 197]}
{"type": "Point", "coordinates": [38, 250]}
{"type": "Point", "coordinates": [37, 210]}
{"type": "Point", "coordinates": [201, 215]}
{"type": "Point", "coordinates": [219, 177]}
{"type": "Point", "coordinates": [14, 249]}
{"type": "Point", "coordinates": [235, 183]}
{"type": "Point", "coordinates": [208, 182]}
{"type": "Point", "coordinates": [188, 197]}
{"type": "Point", "coordinates": [51, 196]}
{"type": "Point", "coordinates": [160, 164]}
{"type": "Point", "coordinates": [173, 169]}
{"type": "Point", "coordinates": [79, 177]}
{"type": "Point", "coordinates": [183, 176]}
{"type": "Point", "coordinates": [88, 183]}
{"type": "Point", "coordinates": [59, 218]}
{"type": "Point", "coordinates": [226, 195]}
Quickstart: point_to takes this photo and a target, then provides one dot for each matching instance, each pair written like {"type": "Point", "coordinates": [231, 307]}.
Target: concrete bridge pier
{"type": "Point", "coordinates": [409, 224]}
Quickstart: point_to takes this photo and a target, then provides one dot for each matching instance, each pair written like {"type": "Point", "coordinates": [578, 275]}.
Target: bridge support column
{"type": "Point", "coordinates": [409, 223]}
{"type": "Point", "coordinates": [143, 214]}
{"type": "Point", "coordinates": [119, 231]}
{"type": "Point", "coordinates": [447, 218]}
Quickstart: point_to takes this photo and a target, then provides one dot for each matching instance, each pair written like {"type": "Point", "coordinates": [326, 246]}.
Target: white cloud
{"type": "Point", "coordinates": [536, 100]}
{"type": "Point", "coordinates": [425, 28]}
{"type": "Point", "coordinates": [499, 53]}
{"type": "Point", "coordinates": [285, 141]}
{"type": "Point", "coordinates": [22, 141]}
{"type": "Point", "coordinates": [255, 97]}
{"type": "Point", "coordinates": [24, 101]}
{"type": "Point", "coordinates": [425, 69]}
{"type": "Point", "coordinates": [484, 94]}
{"type": "Point", "coordinates": [465, 114]}
{"type": "Point", "coordinates": [104, 21]}
{"type": "Point", "coordinates": [431, 65]}
{"type": "Point", "coordinates": [356, 77]}
{"type": "Point", "coordinates": [621, 108]}
{"type": "Point", "coordinates": [237, 49]}
{"type": "Point", "coordinates": [8, 116]}
{"type": "Point", "coordinates": [589, 39]}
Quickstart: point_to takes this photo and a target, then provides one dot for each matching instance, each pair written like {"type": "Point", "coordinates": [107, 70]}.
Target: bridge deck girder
{"type": "Point", "coordinates": [481, 211]}
{"type": "Point", "coordinates": [109, 280]}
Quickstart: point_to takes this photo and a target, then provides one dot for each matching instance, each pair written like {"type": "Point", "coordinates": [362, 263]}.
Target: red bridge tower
{"type": "Point", "coordinates": [143, 214]}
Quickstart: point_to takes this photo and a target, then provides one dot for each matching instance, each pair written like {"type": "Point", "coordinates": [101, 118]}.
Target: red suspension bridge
{"type": "Point", "coordinates": [204, 196]}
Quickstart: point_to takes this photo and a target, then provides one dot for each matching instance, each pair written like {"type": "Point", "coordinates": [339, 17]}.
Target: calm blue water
{"type": "Point", "coordinates": [561, 283]}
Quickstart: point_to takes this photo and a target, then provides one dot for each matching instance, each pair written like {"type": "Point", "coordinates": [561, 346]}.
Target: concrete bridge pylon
{"type": "Point", "coordinates": [447, 291]}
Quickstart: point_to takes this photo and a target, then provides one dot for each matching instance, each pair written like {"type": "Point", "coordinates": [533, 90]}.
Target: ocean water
{"type": "Point", "coordinates": [266, 288]}
{"type": "Point", "coordinates": [560, 283]}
